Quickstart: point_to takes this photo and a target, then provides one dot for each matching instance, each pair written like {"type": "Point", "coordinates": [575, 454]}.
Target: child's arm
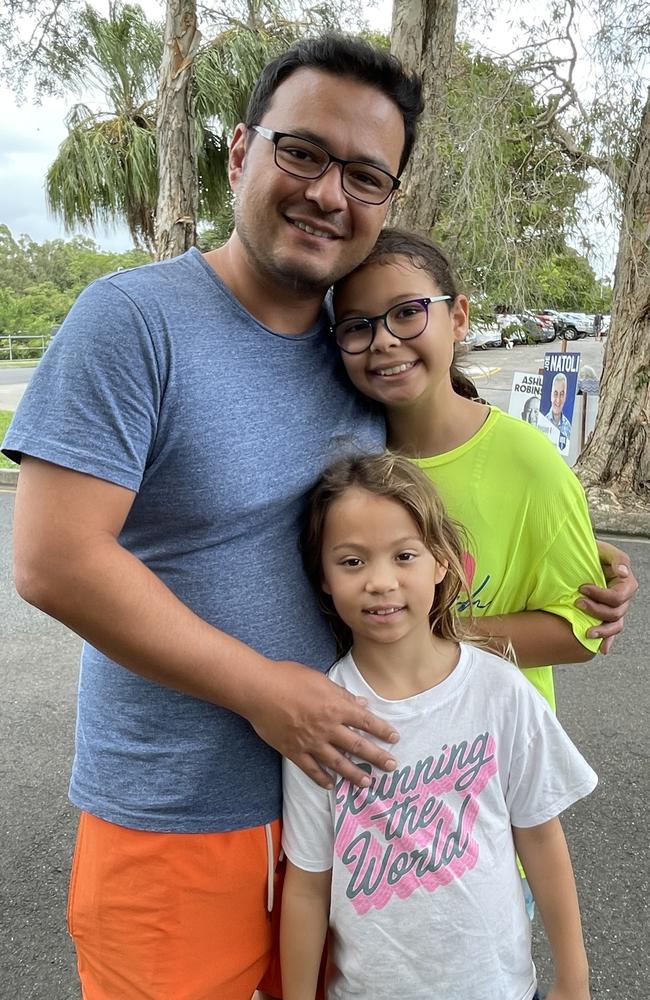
{"type": "Point", "coordinates": [545, 857]}
{"type": "Point", "coordinates": [538, 637]}
{"type": "Point", "coordinates": [303, 929]}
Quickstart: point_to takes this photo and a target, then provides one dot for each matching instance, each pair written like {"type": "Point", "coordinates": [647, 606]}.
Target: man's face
{"type": "Point", "coordinates": [558, 396]}
{"type": "Point", "coordinates": [532, 412]}
{"type": "Point", "coordinates": [350, 119]}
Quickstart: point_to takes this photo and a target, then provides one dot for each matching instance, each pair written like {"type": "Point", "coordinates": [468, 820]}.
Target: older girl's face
{"type": "Point", "coordinates": [392, 371]}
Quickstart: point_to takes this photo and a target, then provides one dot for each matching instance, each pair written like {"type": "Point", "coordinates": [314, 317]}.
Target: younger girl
{"type": "Point", "coordinates": [416, 874]}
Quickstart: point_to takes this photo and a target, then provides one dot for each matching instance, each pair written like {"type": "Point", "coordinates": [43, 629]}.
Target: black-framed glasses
{"type": "Point", "coordinates": [406, 321]}
{"type": "Point", "coordinates": [303, 158]}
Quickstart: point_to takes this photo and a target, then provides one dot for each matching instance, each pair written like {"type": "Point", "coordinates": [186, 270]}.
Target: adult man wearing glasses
{"type": "Point", "coordinates": [169, 438]}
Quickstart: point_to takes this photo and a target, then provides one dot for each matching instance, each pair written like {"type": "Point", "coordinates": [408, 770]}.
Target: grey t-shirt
{"type": "Point", "coordinates": [160, 381]}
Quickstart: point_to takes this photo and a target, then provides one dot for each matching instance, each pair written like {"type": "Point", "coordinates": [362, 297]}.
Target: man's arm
{"type": "Point", "coordinates": [612, 603]}
{"type": "Point", "coordinates": [545, 857]}
{"type": "Point", "coordinates": [537, 637]}
{"type": "Point", "coordinates": [303, 930]}
{"type": "Point", "coordinates": [69, 564]}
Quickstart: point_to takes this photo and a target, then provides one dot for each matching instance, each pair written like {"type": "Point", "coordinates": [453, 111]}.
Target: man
{"type": "Point", "coordinates": [558, 399]}
{"type": "Point", "coordinates": [598, 325]}
{"type": "Point", "coordinates": [168, 440]}
{"type": "Point", "coordinates": [530, 412]}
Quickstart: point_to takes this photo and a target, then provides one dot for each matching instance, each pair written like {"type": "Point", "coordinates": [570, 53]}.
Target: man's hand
{"type": "Point", "coordinates": [610, 604]}
{"type": "Point", "coordinates": [312, 721]}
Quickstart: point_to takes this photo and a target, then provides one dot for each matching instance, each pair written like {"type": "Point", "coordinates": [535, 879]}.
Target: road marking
{"type": "Point", "coordinates": [475, 371]}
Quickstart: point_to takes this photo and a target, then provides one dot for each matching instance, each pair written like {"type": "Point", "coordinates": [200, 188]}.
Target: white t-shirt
{"type": "Point", "coordinates": [426, 896]}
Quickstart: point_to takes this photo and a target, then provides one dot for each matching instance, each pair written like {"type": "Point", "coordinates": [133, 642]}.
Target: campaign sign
{"type": "Point", "coordinates": [559, 386]}
{"type": "Point", "coordinates": [526, 400]}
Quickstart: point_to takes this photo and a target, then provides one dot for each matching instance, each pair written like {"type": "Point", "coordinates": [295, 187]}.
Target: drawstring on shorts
{"type": "Point", "coordinates": [270, 867]}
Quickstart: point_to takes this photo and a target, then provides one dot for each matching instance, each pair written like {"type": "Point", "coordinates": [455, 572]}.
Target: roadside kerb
{"type": "Point", "coordinates": [9, 477]}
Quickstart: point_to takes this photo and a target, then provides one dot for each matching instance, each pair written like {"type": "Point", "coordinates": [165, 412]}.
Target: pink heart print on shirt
{"type": "Point", "coordinates": [469, 568]}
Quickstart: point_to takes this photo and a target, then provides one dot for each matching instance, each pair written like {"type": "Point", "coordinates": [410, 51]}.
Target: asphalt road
{"type": "Point", "coordinates": [493, 368]}
{"type": "Point", "coordinates": [604, 705]}
{"type": "Point", "coordinates": [13, 382]}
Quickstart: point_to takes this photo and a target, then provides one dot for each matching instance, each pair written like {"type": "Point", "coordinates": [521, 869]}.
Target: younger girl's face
{"type": "Point", "coordinates": [393, 371]}
{"type": "Point", "coordinates": [377, 569]}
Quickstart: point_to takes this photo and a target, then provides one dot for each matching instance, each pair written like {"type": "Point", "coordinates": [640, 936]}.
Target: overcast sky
{"type": "Point", "coordinates": [30, 135]}
{"type": "Point", "coordinates": [29, 139]}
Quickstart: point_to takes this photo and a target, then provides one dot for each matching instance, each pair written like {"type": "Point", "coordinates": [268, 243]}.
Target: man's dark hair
{"type": "Point", "coordinates": [342, 55]}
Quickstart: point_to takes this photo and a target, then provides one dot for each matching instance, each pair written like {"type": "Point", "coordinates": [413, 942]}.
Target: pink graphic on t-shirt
{"type": "Point", "coordinates": [478, 597]}
{"type": "Point", "coordinates": [413, 827]}
{"type": "Point", "coordinates": [469, 568]}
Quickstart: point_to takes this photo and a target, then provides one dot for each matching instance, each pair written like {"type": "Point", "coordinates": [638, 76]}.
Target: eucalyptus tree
{"type": "Point", "coordinates": [209, 80]}
{"type": "Point", "coordinates": [500, 177]}
{"type": "Point", "coordinates": [601, 120]}
{"type": "Point", "coordinates": [423, 37]}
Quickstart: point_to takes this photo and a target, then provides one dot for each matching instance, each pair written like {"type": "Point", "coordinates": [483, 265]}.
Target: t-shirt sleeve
{"type": "Point", "coordinates": [547, 772]}
{"type": "Point", "coordinates": [570, 560]}
{"type": "Point", "coordinates": [308, 825]}
{"type": "Point", "coordinates": [92, 404]}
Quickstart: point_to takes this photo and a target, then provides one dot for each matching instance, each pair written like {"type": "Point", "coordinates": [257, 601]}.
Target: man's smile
{"type": "Point", "coordinates": [314, 230]}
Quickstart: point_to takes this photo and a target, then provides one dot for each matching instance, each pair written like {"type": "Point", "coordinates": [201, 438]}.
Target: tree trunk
{"type": "Point", "coordinates": [178, 195]}
{"type": "Point", "coordinates": [615, 465]}
{"type": "Point", "coordinates": [423, 35]}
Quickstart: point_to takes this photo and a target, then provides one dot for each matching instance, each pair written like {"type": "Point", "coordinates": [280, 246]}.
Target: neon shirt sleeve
{"type": "Point", "coordinates": [569, 561]}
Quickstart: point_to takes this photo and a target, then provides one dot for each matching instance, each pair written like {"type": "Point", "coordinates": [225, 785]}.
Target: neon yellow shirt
{"type": "Point", "coordinates": [530, 538]}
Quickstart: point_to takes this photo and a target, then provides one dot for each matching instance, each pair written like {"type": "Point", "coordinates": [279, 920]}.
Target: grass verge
{"type": "Point", "coordinates": [5, 420]}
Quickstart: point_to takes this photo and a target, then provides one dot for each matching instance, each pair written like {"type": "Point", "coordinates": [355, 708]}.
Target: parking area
{"type": "Point", "coordinates": [491, 370]}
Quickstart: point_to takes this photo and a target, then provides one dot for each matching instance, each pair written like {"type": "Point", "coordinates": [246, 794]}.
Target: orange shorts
{"type": "Point", "coordinates": [169, 916]}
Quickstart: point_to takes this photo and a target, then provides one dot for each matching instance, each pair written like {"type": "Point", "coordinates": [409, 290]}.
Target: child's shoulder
{"type": "Point", "coordinates": [496, 671]}
{"type": "Point", "coordinates": [519, 433]}
{"type": "Point", "coordinates": [344, 672]}
{"type": "Point", "coordinates": [487, 661]}
{"type": "Point", "coordinates": [523, 447]}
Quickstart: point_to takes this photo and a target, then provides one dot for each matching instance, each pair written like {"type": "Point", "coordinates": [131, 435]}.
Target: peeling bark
{"type": "Point", "coordinates": [178, 195]}
{"type": "Point", "coordinates": [423, 35]}
{"type": "Point", "coordinates": [615, 465]}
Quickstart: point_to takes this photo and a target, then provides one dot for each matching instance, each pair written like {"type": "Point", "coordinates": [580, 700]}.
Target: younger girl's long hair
{"type": "Point", "coordinates": [398, 479]}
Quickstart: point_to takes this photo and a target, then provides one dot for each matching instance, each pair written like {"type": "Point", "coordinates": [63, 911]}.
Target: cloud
{"type": "Point", "coordinates": [30, 135]}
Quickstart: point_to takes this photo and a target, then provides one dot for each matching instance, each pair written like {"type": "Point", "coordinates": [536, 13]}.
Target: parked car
{"type": "Point", "coordinates": [523, 327]}
{"type": "Point", "coordinates": [540, 329]}
{"type": "Point", "coordinates": [512, 329]}
{"type": "Point", "coordinates": [575, 325]}
{"type": "Point", "coordinates": [484, 335]}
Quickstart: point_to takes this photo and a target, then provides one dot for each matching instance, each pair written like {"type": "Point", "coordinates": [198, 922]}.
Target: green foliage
{"type": "Point", "coordinates": [106, 169]}
{"type": "Point", "coordinates": [508, 198]}
{"type": "Point", "coordinates": [5, 419]}
{"type": "Point", "coordinates": [566, 282]}
{"type": "Point", "coordinates": [39, 282]}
